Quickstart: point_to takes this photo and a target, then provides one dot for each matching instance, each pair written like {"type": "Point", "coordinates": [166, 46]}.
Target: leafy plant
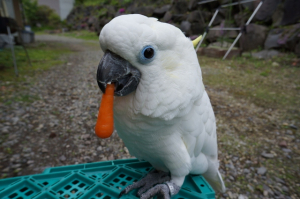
{"type": "Point", "coordinates": [40, 15]}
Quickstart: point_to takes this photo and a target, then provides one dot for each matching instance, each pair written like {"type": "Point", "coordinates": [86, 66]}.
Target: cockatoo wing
{"type": "Point", "coordinates": [199, 135]}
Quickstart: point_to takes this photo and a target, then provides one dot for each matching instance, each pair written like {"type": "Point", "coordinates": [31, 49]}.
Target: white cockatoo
{"type": "Point", "coordinates": [161, 109]}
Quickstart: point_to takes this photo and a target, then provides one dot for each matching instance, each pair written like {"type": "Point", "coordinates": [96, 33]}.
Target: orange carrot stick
{"type": "Point", "coordinates": [105, 122]}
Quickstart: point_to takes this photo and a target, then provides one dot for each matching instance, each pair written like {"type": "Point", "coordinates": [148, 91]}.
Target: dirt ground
{"type": "Point", "coordinates": [258, 142]}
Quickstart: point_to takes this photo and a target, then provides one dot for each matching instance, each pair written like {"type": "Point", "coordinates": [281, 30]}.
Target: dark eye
{"type": "Point", "coordinates": [147, 54]}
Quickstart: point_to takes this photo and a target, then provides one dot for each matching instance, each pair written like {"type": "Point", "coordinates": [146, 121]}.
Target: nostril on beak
{"type": "Point", "coordinates": [122, 81]}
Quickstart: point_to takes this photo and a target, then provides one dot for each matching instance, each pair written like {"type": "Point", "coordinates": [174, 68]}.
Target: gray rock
{"type": "Point", "coordinates": [167, 17]}
{"type": "Point", "coordinates": [179, 7]}
{"type": "Point", "coordinates": [44, 150]}
{"type": "Point", "coordinates": [241, 18]}
{"type": "Point", "coordinates": [30, 162]}
{"type": "Point", "coordinates": [242, 197]}
{"type": "Point", "coordinates": [287, 150]}
{"type": "Point", "coordinates": [87, 159]}
{"type": "Point", "coordinates": [16, 166]}
{"type": "Point", "coordinates": [15, 120]}
{"type": "Point", "coordinates": [266, 10]}
{"type": "Point", "coordinates": [262, 170]}
{"type": "Point", "coordinates": [195, 16]}
{"type": "Point", "coordinates": [185, 27]}
{"type": "Point", "coordinates": [246, 171]}
{"type": "Point", "coordinates": [266, 54]}
{"type": "Point", "coordinates": [277, 16]}
{"type": "Point", "coordinates": [267, 155]}
{"type": "Point", "coordinates": [230, 166]}
{"type": "Point", "coordinates": [62, 158]}
{"type": "Point", "coordinates": [197, 28]}
{"type": "Point", "coordinates": [285, 189]}
{"type": "Point", "coordinates": [254, 38]}
{"type": "Point", "coordinates": [291, 12]}
{"type": "Point", "coordinates": [293, 126]}
{"type": "Point", "coordinates": [160, 12]}
{"type": "Point", "coordinates": [145, 10]}
{"type": "Point", "coordinates": [213, 35]}
{"type": "Point", "coordinates": [99, 148]}
{"type": "Point", "coordinates": [272, 39]}
{"type": "Point", "coordinates": [192, 4]}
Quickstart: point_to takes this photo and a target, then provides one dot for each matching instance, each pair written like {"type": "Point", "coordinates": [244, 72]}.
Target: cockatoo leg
{"type": "Point", "coordinates": [146, 185]}
{"type": "Point", "coordinates": [163, 191]}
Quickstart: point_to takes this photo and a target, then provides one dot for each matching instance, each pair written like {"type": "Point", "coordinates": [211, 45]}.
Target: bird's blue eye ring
{"type": "Point", "coordinates": [147, 54]}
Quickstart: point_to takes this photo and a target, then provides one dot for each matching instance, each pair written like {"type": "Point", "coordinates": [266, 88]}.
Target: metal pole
{"type": "Point", "coordinates": [253, 14]}
{"type": "Point", "coordinates": [236, 39]}
{"type": "Point", "coordinates": [12, 51]}
{"type": "Point", "coordinates": [248, 22]}
{"type": "Point", "coordinates": [236, 3]}
{"type": "Point", "coordinates": [203, 2]}
{"type": "Point", "coordinates": [205, 33]}
{"type": "Point", "coordinates": [225, 29]}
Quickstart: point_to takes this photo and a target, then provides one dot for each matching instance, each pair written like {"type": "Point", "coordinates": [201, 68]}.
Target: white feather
{"type": "Point", "coordinates": [168, 120]}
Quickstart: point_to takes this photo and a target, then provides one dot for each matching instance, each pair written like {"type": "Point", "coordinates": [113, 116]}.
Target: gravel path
{"type": "Point", "coordinates": [57, 129]}
{"type": "Point", "coordinates": [259, 151]}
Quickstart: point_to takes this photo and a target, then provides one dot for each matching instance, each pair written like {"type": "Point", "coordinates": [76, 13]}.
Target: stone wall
{"type": "Point", "coordinates": [276, 24]}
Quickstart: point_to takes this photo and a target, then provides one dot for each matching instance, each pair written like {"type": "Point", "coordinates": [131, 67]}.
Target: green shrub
{"type": "Point", "coordinates": [40, 14]}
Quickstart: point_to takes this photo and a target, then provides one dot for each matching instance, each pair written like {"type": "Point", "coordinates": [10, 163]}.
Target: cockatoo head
{"type": "Point", "coordinates": [141, 49]}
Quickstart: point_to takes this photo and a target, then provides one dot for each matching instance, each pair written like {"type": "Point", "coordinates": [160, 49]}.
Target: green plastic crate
{"type": "Point", "coordinates": [100, 180]}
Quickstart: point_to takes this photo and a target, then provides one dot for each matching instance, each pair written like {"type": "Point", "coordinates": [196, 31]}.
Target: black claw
{"type": "Point", "coordinates": [122, 193]}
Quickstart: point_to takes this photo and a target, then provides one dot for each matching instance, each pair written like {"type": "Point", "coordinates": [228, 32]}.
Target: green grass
{"type": "Point", "coordinates": [257, 80]}
{"type": "Point", "coordinates": [83, 34]}
{"type": "Point", "coordinates": [43, 56]}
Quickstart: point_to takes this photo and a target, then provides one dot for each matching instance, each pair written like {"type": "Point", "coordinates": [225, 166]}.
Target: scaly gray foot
{"type": "Point", "coordinates": [163, 191]}
{"type": "Point", "coordinates": [147, 183]}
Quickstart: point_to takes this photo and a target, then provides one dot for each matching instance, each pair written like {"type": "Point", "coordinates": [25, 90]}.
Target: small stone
{"type": "Point", "coordinates": [230, 166]}
{"type": "Point", "coordinates": [86, 137]}
{"type": "Point", "coordinates": [231, 178]}
{"type": "Point", "coordinates": [280, 180]}
{"type": "Point", "coordinates": [62, 158]}
{"type": "Point", "coordinates": [111, 157]}
{"type": "Point", "coordinates": [266, 193]}
{"type": "Point", "coordinates": [293, 127]}
{"type": "Point", "coordinates": [246, 171]}
{"type": "Point", "coordinates": [44, 150]}
{"type": "Point", "coordinates": [242, 197]}
{"type": "Point", "coordinates": [262, 170]}
{"type": "Point", "coordinates": [99, 148]}
{"type": "Point", "coordinates": [15, 120]}
{"type": "Point", "coordinates": [5, 170]}
{"type": "Point", "coordinates": [16, 166]}
{"type": "Point", "coordinates": [286, 150]}
{"type": "Point", "coordinates": [285, 189]}
{"type": "Point", "coordinates": [52, 135]}
{"type": "Point", "coordinates": [30, 162]}
{"type": "Point", "coordinates": [267, 155]}
{"type": "Point", "coordinates": [275, 64]}
{"type": "Point", "coordinates": [230, 194]}
{"type": "Point", "coordinates": [87, 159]}
{"type": "Point", "coordinates": [283, 144]}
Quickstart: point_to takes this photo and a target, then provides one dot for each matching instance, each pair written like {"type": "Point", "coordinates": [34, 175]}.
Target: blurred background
{"type": "Point", "coordinates": [49, 53]}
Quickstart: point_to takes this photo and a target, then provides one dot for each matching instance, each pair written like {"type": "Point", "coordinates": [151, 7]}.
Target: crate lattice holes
{"type": "Point", "coordinates": [100, 180]}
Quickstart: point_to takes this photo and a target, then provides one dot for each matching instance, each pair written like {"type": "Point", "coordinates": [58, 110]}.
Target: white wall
{"type": "Point", "coordinates": [9, 7]}
{"type": "Point", "coordinates": [65, 8]}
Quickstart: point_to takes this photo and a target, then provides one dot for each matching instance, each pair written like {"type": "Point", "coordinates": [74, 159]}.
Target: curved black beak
{"type": "Point", "coordinates": [114, 69]}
